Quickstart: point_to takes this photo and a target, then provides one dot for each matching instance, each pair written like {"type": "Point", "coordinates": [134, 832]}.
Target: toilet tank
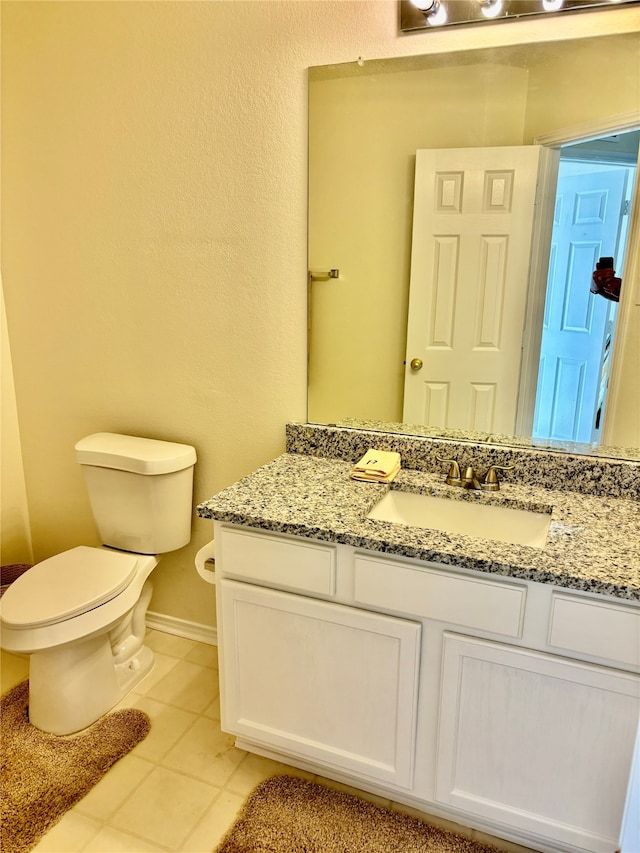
{"type": "Point", "coordinates": [140, 490]}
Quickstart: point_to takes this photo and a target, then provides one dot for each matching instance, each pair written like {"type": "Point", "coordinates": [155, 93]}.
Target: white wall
{"type": "Point", "coordinates": [154, 213]}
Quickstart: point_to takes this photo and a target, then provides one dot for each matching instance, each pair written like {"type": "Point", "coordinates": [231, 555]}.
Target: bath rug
{"type": "Point", "coordinates": [290, 815]}
{"type": "Point", "coordinates": [10, 573]}
{"type": "Point", "coordinates": [44, 775]}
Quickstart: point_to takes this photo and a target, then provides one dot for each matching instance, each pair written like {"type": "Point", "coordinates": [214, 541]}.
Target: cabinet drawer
{"type": "Point", "coordinates": [267, 558]}
{"type": "Point", "coordinates": [596, 628]}
{"type": "Point", "coordinates": [437, 594]}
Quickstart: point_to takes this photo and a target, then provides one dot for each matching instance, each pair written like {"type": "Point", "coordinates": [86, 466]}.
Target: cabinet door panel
{"type": "Point", "coordinates": [543, 744]}
{"type": "Point", "coordinates": [321, 680]}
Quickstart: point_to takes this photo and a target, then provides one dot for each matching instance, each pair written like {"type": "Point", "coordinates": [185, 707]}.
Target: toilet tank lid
{"type": "Point", "coordinates": [133, 453]}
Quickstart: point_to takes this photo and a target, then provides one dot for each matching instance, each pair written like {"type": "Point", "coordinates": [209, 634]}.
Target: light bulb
{"type": "Point", "coordinates": [438, 15]}
{"type": "Point", "coordinates": [552, 5]}
{"type": "Point", "coordinates": [491, 8]}
{"type": "Point", "coordinates": [433, 10]}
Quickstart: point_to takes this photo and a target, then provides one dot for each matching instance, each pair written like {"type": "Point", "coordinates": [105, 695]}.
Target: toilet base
{"type": "Point", "coordinates": [73, 686]}
{"type": "Point", "coordinates": [81, 667]}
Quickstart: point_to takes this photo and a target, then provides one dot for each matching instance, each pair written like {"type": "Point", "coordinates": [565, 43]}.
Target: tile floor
{"type": "Point", "coordinates": [182, 786]}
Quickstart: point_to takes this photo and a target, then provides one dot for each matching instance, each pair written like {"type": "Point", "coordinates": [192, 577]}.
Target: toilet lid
{"type": "Point", "coordinates": [66, 585]}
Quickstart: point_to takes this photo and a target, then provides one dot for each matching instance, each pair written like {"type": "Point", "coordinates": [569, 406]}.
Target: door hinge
{"type": "Point", "coordinates": [626, 207]}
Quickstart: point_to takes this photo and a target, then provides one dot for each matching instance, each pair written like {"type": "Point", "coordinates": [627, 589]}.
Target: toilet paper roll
{"type": "Point", "coordinates": [206, 553]}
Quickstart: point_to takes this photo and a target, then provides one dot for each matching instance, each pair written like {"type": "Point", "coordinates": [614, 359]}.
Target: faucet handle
{"type": "Point", "coordinates": [453, 477]}
{"type": "Point", "coordinates": [490, 480]}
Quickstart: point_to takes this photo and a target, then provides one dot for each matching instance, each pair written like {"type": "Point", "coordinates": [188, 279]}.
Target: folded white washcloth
{"type": "Point", "coordinates": [377, 466]}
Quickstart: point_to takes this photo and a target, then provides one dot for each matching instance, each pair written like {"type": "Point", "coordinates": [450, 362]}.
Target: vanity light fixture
{"type": "Point", "coordinates": [418, 15]}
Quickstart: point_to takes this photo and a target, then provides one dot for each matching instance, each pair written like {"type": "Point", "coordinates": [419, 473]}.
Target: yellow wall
{"type": "Point", "coordinates": [623, 420]}
{"type": "Point", "coordinates": [15, 533]}
{"type": "Point", "coordinates": [364, 132]}
{"type": "Point", "coordinates": [154, 230]}
{"type": "Point", "coordinates": [610, 91]}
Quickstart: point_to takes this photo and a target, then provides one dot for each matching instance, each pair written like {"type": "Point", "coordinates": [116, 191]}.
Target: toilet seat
{"type": "Point", "coordinates": [67, 585]}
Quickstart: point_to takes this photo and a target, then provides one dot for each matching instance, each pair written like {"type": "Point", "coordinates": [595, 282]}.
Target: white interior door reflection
{"type": "Point", "coordinates": [591, 221]}
{"type": "Point", "coordinates": [472, 230]}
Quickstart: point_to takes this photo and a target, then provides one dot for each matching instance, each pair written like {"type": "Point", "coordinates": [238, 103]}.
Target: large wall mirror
{"type": "Point", "coordinates": [477, 324]}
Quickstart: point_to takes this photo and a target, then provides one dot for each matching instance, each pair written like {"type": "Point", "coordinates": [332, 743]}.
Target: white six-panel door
{"type": "Point", "coordinates": [586, 226]}
{"type": "Point", "coordinates": [472, 230]}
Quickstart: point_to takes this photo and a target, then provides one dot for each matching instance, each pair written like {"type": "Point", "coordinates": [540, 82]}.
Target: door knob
{"type": "Point", "coordinates": [415, 364]}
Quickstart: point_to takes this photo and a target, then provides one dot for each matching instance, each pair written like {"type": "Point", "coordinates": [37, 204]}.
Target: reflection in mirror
{"type": "Point", "coordinates": [390, 140]}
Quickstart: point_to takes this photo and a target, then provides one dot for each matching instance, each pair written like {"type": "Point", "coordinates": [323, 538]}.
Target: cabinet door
{"type": "Point", "coordinates": [320, 680]}
{"type": "Point", "coordinates": [539, 743]}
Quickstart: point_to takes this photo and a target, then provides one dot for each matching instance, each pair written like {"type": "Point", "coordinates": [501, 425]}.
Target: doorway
{"type": "Point", "coordinates": [591, 220]}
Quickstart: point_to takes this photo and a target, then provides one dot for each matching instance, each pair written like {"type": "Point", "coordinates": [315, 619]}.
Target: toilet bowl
{"type": "Point", "coordinates": [80, 615]}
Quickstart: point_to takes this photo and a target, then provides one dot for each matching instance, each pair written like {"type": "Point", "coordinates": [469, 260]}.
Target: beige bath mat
{"type": "Point", "coordinates": [43, 775]}
{"type": "Point", "coordinates": [289, 815]}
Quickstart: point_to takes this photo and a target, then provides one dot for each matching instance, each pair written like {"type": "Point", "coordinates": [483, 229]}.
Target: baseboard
{"type": "Point", "coordinates": [182, 628]}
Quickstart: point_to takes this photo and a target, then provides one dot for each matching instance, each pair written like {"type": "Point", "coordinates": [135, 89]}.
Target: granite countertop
{"type": "Point", "coordinates": [593, 542]}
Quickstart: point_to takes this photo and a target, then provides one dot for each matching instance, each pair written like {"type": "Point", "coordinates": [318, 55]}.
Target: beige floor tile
{"type": "Point", "coordinates": [168, 724]}
{"type": "Point", "coordinates": [13, 670]}
{"type": "Point", "coordinates": [214, 824]}
{"type": "Point", "coordinates": [69, 835]}
{"type": "Point", "coordinates": [255, 769]}
{"type": "Point", "coordinates": [186, 686]}
{"type": "Point", "coordinates": [169, 644]}
{"type": "Point", "coordinates": [113, 841]}
{"type": "Point", "coordinates": [165, 808]}
{"type": "Point", "coordinates": [204, 655]}
{"type": "Point", "coordinates": [206, 753]}
{"type": "Point", "coordinates": [212, 711]}
{"type": "Point", "coordinates": [115, 786]}
{"type": "Point", "coordinates": [162, 666]}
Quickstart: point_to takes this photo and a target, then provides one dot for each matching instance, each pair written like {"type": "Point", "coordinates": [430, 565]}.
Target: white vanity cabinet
{"type": "Point", "coordinates": [502, 704]}
{"type": "Point", "coordinates": [535, 741]}
{"type": "Point", "coordinates": [319, 680]}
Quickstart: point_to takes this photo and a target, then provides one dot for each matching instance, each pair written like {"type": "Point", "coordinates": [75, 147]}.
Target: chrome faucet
{"type": "Point", "coordinates": [470, 480]}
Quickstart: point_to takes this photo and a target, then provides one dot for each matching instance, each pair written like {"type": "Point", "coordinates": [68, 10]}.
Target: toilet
{"type": "Point", "coordinates": [81, 614]}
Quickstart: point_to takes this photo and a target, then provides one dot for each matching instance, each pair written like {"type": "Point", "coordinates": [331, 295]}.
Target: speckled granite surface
{"type": "Point", "coordinates": [632, 453]}
{"type": "Point", "coordinates": [593, 542]}
{"type": "Point", "coordinates": [588, 475]}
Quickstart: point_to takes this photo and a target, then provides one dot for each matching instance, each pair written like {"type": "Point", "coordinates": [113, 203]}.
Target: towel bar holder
{"type": "Point", "coordinates": [323, 275]}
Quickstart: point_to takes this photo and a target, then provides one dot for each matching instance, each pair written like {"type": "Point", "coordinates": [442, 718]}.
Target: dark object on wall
{"type": "Point", "coordinates": [10, 573]}
{"type": "Point", "coordinates": [605, 282]}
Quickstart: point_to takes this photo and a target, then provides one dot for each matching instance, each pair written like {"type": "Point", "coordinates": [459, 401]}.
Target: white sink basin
{"type": "Point", "coordinates": [484, 521]}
